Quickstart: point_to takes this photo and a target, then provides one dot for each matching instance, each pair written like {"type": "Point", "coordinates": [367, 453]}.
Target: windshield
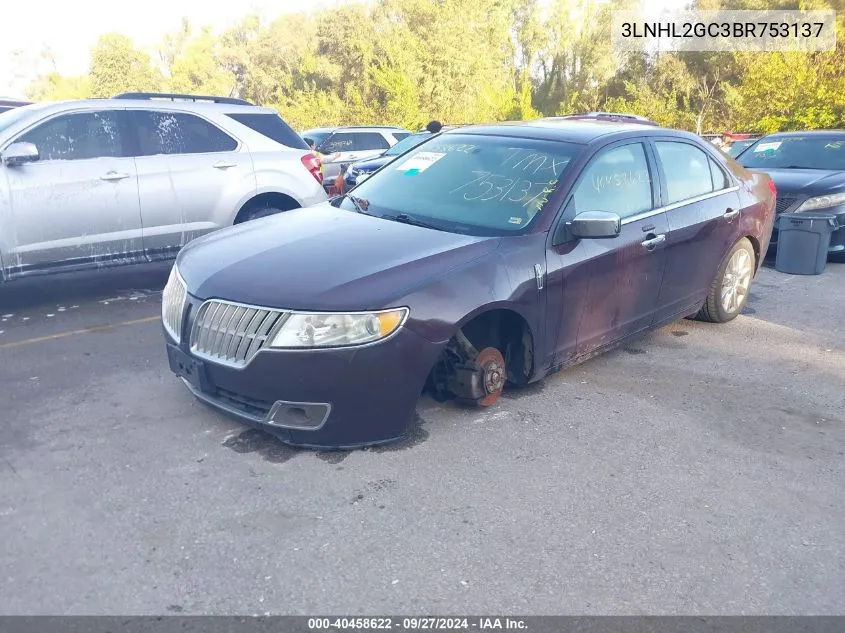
{"type": "Point", "coordinates": [406, 143]}
{"type": "Point", "coordinates": [481, 185]}
{"type": "Point", "coordinates": [816, 151]}
{"type": "Point", "coordinates": [737, 147]}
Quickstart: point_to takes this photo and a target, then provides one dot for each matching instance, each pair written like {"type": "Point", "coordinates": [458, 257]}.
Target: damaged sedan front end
{"type": "Point", "coordinates": [484, 257]}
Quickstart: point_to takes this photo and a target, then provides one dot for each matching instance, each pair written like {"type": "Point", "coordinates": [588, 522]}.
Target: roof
{"type": "Point", "coordinates": [6, 101]}
{"type": "Point", "coordinates": [807, 133]}
{"type": "Point", "coordinates": [187, 106]}
{"type": "Point", "coordinates": [608, 116]}
{"type": "Point", "coordinates": [354, 127]}
{"type": "Point", "coordinates": [569, 130]}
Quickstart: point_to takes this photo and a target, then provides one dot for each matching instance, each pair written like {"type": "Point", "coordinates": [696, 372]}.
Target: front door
{"type": "Point", "coordinates": [77, 205]}
{"type": "Point", "coordinates": [703, 210]}
{"type": "Point", "coordinates": [191, 178]}
{"type": "Point", "coordinates": [610, 286]}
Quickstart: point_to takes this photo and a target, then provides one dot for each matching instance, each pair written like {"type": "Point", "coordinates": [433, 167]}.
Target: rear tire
{"type": "Point", "coordinates": [729, 290]}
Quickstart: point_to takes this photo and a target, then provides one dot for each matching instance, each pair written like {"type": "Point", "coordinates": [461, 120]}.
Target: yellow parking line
{"type": "Point", "coordinates": [87, 330]}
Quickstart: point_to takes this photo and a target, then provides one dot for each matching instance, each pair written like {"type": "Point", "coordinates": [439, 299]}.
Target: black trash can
{"type": "Point", "coordinates": [803, 240]}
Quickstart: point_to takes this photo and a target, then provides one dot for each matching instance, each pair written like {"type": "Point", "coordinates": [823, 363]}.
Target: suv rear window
{"type": "Point", "coordinates": [272, 126]}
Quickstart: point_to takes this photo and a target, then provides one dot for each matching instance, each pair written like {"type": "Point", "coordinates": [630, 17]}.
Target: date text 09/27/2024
{"type": "Point", "coordinates": [417, 623]}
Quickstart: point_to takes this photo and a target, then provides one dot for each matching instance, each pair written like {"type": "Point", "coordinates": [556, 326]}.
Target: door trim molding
{"type": "Point", "coordinates": [677, 205]}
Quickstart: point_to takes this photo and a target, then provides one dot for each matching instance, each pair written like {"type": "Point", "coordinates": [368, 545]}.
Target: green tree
{"type": "Point", "coordinates": [117, 66]}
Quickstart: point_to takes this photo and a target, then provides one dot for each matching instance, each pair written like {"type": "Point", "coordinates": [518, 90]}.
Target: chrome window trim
{"type": "Point", "coordinates": [676, 205]}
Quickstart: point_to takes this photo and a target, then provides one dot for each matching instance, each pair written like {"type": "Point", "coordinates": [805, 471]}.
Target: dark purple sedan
{"type": "Point", "coordinates": [486, 257]}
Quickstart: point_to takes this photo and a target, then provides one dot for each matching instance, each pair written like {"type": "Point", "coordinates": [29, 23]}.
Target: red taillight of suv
{"type": "Point", "coordinates": [772, 187]}
{"type": "Point", "coordinates": [312, 164]}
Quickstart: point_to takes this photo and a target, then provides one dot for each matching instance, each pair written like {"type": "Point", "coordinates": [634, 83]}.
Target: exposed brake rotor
{"type": "Point", "coordinates": [493, 374]}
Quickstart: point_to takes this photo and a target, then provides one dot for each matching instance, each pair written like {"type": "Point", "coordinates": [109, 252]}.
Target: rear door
{"type": "Point", "coordinates": [78, 204]}
{"type": "Point", "coordinates": [192, 177]}
{"type": "Point", "coordinates": [702, 208]}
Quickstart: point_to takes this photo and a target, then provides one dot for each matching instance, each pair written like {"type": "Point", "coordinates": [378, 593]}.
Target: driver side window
{"type": "Point", "coordinates": [616, 180]}
{"type": "Point", "coordinates": [77, 136]}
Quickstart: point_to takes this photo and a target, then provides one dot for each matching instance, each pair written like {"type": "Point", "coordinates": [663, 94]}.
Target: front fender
{"type": "Point", "coordinates": [505, 280]}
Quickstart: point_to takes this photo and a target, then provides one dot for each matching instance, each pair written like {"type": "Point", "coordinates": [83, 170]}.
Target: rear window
{"type": "Point", "coordinates": [272, 126]}
{"type": "Point", "coordinates": [481, 185]}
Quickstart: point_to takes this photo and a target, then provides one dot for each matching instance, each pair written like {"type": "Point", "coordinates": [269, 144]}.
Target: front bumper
{"type": "Point", "coordinates": [331, 398]}
{"type": "Point", "coordinates": [837, 238]}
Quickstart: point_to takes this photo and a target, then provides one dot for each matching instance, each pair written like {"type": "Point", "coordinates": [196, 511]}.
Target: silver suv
{"type": "Point", "coordinates": [133, 179]}
{"type": "Point", "coordinates": [340, 146]}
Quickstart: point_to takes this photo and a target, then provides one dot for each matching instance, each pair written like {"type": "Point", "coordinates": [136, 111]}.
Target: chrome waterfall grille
{"type": "Point", "coordinates": [232, 333]}
{"type": "Point", "coordinates": [173, 304]}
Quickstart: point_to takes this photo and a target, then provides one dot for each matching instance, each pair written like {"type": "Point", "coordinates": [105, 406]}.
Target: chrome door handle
{"type": "Point", "coordinates": [113, 175]}
{"type": "Point", "coordinates": [730, 214]}
{"type": "Point", "coordinates": [223, 164]}
{"type": "Point", "coordinates": [652, 243]}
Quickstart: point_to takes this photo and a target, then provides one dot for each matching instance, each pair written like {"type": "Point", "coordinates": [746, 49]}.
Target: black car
{"type": "Point", "coordinates": [8, 104]}
{"type": "Point", "coordinates": [737, 147]}
{"type": "Point", "coordinates": [485, 256]}
{"type": "Point", "coordinates": [808, 169]}
{"type": "Point", "coordinates": [369, 165]}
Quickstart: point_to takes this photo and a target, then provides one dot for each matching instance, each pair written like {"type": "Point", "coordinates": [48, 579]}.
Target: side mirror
{"type": "Point", "coordinates": [20, 153]}
{"type": "Point", "coordinates": [595, 224]}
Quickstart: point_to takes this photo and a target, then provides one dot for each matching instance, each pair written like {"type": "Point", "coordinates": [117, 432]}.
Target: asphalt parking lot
{"type": "Point", "coordinates": [696, 471]}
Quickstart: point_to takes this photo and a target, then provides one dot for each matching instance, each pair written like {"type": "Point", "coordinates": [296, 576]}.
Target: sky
{"type": "Point", "coordinates": [70, 29]}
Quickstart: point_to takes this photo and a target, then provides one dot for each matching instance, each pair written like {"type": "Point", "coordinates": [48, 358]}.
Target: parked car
{"type": "Point", "coordinates": [132, 179]}
{"type": "Point", "coordinates": [809, 171]}
{"type": "Point", "coordinates": [619, 117]}
{"type": "Point", "coordinates": [7, 103]}
{"type": "Point", "coordinates": [368, 166]}
{"type": "Point", "coordinates": [486, 255]}
{"type": "Point", "coordinates": [737, 147]}
{"type": "Point", "coordinates": [340, 146]}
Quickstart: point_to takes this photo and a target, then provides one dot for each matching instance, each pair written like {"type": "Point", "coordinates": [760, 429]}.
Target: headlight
{"type": "Point", "coordinates": [822, 202]}
{"type": "Point", "coordinates": [338, 330]}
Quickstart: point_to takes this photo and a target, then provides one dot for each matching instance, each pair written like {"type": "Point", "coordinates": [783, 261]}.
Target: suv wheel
{"type": "Point", "coordinates": [261, 212]}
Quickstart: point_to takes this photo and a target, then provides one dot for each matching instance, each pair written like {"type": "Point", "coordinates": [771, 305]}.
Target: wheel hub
{"type": "Point", "coordinates": [493, 374]}
{"type": "Point", "coordinates": [735, 283]}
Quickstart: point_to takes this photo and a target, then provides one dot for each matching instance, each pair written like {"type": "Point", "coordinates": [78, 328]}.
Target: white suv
{"type": "Point", "coordinates": [341, 146]}
{"type": "Point", "coordinates": [133, 179]}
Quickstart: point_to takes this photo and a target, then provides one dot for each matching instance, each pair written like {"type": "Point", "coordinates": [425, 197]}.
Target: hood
{"type": "Point", "coordinates": [323, 258]}
{"type": "Point", "coordinates": [371, 164]}
{"type": "Point", "coordinates": [810, 182]}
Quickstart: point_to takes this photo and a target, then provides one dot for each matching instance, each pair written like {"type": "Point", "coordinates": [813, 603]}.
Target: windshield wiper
{"type": "Point", "coordinates": [404, 218]}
